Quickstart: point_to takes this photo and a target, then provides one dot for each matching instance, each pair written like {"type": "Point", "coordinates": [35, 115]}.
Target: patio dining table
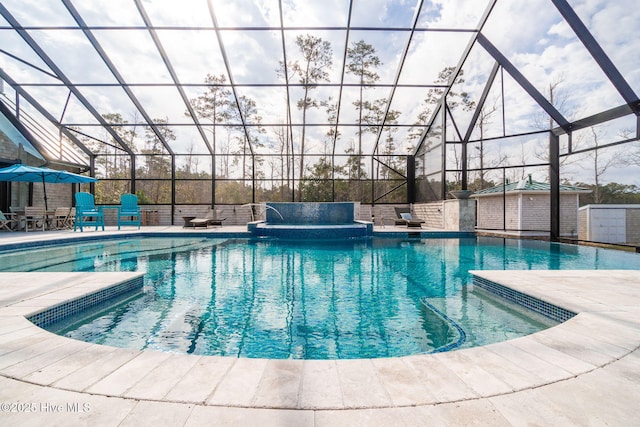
{"type": "Point", "coordinates": [21, 217]}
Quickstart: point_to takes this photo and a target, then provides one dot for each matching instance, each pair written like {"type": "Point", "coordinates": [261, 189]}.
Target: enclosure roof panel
{"type": "Point", "coordinates": [351, 73]}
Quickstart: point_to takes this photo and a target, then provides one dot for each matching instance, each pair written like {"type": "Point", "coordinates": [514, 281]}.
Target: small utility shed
{"type": "Point", "coordinates": [524, 208]}
{"type": "Point", "coordinates": [610, 223]}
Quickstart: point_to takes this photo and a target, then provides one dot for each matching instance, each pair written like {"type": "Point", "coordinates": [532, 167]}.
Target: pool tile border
{"type": "Point", "coordinates": [537, 305]}
{"type": "Point", "coordinates": [55, 313]}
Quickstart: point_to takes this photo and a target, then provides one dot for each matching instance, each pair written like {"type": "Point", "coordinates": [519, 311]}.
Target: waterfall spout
{"type": "Point", "coordinates": [262, 205]}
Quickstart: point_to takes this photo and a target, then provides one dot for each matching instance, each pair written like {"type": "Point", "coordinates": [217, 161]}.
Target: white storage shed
{"type": "Point", "coordinates": [610, 223]}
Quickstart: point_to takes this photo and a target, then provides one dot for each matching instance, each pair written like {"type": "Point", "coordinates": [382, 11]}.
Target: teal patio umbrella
{"type": "Point", "coordinates": [24, 173]}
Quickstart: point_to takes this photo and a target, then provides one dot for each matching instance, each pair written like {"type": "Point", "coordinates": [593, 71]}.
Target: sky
{"type": "Point", "coordinates": [531, 34]}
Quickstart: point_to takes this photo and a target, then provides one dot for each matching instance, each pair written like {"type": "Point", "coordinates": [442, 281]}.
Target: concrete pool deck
{"type": "Point", "coordinates": [581, 372]}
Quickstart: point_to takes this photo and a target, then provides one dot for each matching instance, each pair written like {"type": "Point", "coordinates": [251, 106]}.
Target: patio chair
{"type": "Point", "coordinates": [71, 219]}
{"type": "Point", "coordinates": [18, 214]}
{"type": "Point", "coordinates": [404, 217]}
{"type": "Point", "coordinates": [87, 213]}
{"type": "Point", "coordinates": [211, 218]}
{"type": "Point", "coordinates": [35, 218]}
{"type": "Point", "coordinates": [129, 211]}
{"type": "Point", "coordinates": [7, 221]}
{"type": "Point", "coordinates": [60, 217]}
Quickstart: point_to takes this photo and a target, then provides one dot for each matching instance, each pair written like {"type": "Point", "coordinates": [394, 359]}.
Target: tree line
{"type": "Point", "coordinates": [287, 174]}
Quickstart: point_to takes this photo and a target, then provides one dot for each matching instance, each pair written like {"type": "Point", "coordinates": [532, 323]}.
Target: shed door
{"type": "Point", "coordinates": [608, 225]}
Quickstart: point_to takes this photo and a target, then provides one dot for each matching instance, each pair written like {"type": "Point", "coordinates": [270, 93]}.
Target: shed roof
{"type": "Point", "coordinates": [528, 185]}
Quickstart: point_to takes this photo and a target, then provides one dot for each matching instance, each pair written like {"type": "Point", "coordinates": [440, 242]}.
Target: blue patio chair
{"type": "Point", "coordinates": [87, 213]}
{"type": "Point", "coordinates": [129, 211]}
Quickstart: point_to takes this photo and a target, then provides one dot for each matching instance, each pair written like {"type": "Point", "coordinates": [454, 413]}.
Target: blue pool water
{"type": "Point", "coordinates": [308, 299]}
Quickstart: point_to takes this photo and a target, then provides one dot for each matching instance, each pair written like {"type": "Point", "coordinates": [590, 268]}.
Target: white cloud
{"type": "Point", "coordinates": [455, 13]}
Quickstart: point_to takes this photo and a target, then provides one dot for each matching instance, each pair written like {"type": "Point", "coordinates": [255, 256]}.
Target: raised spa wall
{"type": "Point", "coordinates": [311, 220]}
{"type": "Point", "coordinates": [319, 213]}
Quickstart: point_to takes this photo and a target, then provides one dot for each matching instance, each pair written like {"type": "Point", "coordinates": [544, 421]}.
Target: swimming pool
{"type": "Point", "coordinates": [272, 298]}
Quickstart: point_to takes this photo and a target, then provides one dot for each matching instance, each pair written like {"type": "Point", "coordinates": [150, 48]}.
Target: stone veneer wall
{"type": "Point", "coordinates": [460, 214]}
{"type": "Point", "coordinates": [432, 213]}
{"type": "Point", "coordinates": [451, 215]}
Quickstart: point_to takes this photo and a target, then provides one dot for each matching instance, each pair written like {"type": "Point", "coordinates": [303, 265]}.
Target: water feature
{"type": "Point", "coordinates": [335, 220]}
{"type": "Point", "coordinates": [260, 205]}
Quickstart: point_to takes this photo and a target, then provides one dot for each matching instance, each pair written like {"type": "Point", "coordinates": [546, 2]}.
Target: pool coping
{"type": "Point", "coordinates": [604, 333]}
{"type": "Point", "coordinates": [592, 339]}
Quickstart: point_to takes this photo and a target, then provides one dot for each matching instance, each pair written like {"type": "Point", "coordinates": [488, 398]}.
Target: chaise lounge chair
{"type": "Point", "coordinates": [404, 217]}
{"type": "Point", "coordinates": [211, 219]}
